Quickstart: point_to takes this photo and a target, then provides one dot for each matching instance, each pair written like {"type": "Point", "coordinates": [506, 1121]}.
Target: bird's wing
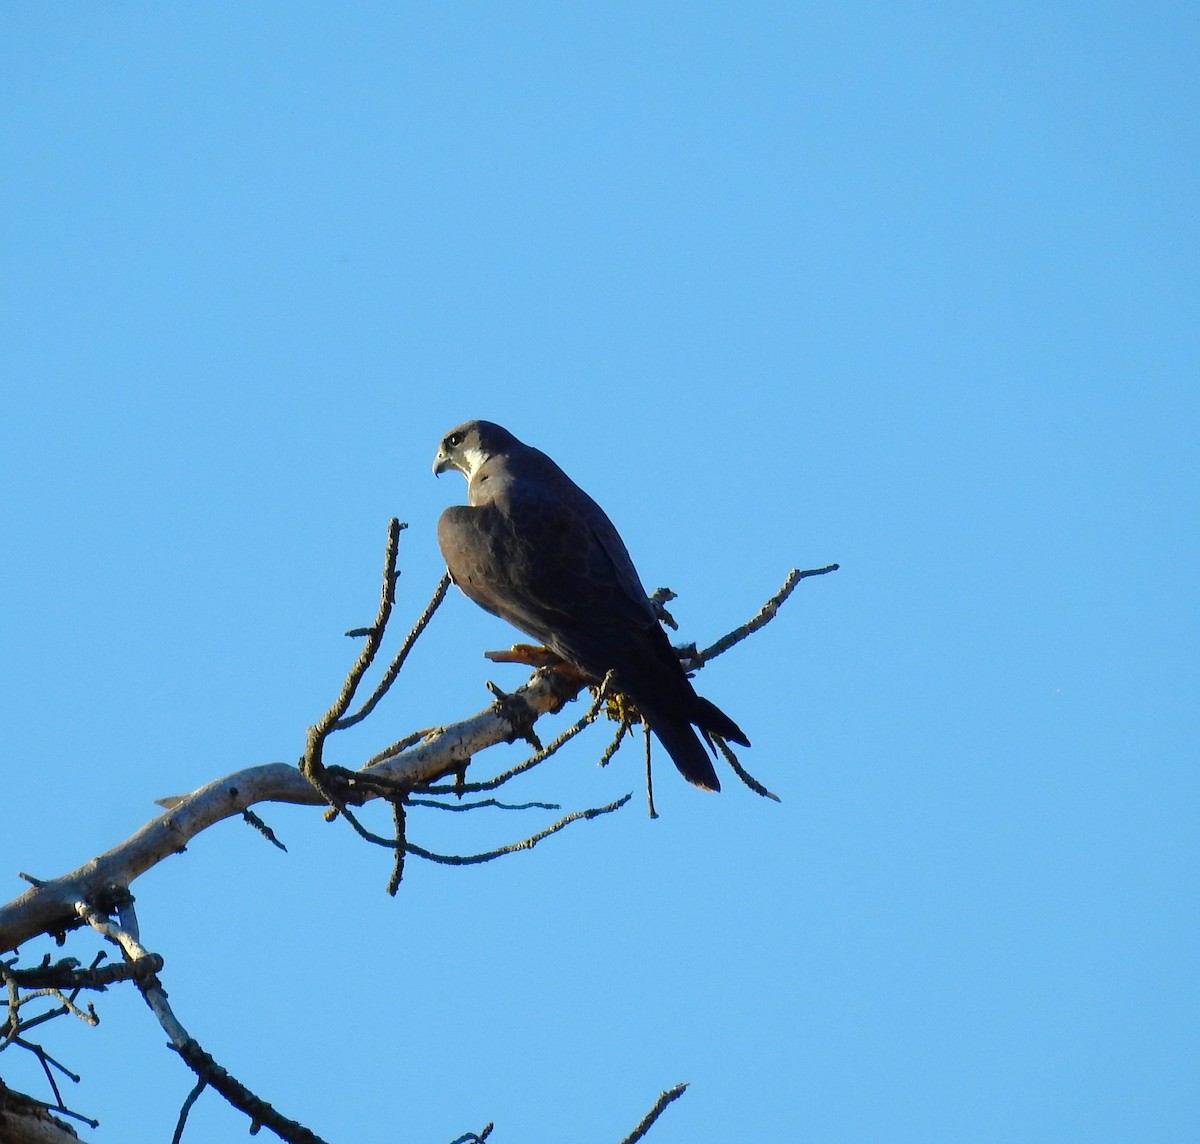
{"type": "Point", "coordinates": [536, 562]}
{"type": "Point", "coordinates": [537, 551]}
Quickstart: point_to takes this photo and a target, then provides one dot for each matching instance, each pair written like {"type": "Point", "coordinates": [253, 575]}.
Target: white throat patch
{"type": "Point", "coordinates": [472, 460]}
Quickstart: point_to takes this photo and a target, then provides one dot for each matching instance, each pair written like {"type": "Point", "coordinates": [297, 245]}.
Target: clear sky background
{"type": "Point", "coordinates": [909, 288]}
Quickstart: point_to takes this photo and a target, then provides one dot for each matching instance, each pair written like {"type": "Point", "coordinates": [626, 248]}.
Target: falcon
{"type": "Point", "coordinates": [531, 547]}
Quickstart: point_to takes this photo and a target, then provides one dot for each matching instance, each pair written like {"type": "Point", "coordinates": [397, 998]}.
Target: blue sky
{"type": "Point", "coordinates": [914, 290]}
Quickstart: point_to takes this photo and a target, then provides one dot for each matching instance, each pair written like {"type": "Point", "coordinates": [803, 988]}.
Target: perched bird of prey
{"type": "Point", "coordinates": [531, 547]}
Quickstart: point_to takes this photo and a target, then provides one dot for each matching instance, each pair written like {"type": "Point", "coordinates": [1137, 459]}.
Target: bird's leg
{"type": "Point", "coordinates": [519, 714]}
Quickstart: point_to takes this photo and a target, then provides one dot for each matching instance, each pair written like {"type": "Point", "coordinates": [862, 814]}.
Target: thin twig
{"type": "Point", "coordinates": [311, 763]}
{"type": "Point", "coordinates": [433, 804]}
{"type": "Point", "coordinates": [65, 1005]}
{"type": "Point", "coordinates": [263, 829]}
{"type": "Point", "coordinates": [258, 1110]}
{"type": "Point", "coordinates": [764, 616]}
{"type": "Point", "coordinates": [359, 829]}
{"type": "Point", "coordinates": [475, 1137]}
{"type": "Point", "coordinates": [46, 1061]}
{"type": "Point", "coordinates": [741, 771]}
{"type": "Point", "coordinates": [615, 745]}
{"type": "Point", "coordinates": [525, 844]}
{"type": "Point", "coordinates": [649, 771]}
{"type": "Point", "coordinates": [191, 1099]}
{"type": "Point", "coordinates": [540, 756]}
{"type": "Point", "coordinates": [398, 818]}
{"type": "Point", "coordinates": [654, 1113]}
{"type": "Point", "coordinates": [389, 676]}
{"type": "Point", "coordinates": [397, 747]}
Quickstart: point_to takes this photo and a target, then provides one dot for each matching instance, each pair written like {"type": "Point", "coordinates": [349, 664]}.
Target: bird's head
{"type": "Point", "coordinates": [467, 446]}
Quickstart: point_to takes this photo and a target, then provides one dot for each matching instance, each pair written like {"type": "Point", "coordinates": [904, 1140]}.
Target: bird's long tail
{"type": "Point", "coordinates": [710, 717]}
{"type": "Point", "coordinates": [684, 745]}
{"type": "Point", "coordinates": [685, 748]}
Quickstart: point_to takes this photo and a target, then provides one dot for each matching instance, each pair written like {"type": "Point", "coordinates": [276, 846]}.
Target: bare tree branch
{"type": "Point", "coordinates": [649, 772]}
{"type": "Point", "coordinates": [475, 1137]}
{"type": "Point", "coordinates": [399, 819]}
{"type": "Point", "coordinates": [311, 764]}
{"type": "Point", "coordinates": [514, 847]}
{"type": "Point", "coordinates": [741, 771]}
{"type": "Point", "coordinates": [97, 892]}
{"type": "Point", "coordinates": [654, 1113]}
{"type": "Point", "coordinates": [186, 1107]}
{"type": "Point", "coordinates": [434, 804]}
{"type": "Point", "coordinates": [49, 905]}
{"type": "Point", "coordinates": [389, 677]}
{"type": "Point", "coordinates": [66, 974]}
{"type": "Point", "coordinates": [612, 748]}
{"type": "Point", "coordinates": [763, 617]}
{"type": "Point", "coordinates": [542, 753]}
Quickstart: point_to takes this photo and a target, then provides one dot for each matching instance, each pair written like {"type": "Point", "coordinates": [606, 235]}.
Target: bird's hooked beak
{"type": "Point", "coordinates": [447, 458]}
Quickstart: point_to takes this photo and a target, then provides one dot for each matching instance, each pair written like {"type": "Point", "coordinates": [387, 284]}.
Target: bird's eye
{"type": "Point", "coordinates": [454, 440]}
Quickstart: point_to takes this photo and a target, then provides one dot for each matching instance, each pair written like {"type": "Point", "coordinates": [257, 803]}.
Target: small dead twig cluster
{"type": "Point", "coordinates": [59, 983]}
{"type": "Point", "coordinates": [424, 771]}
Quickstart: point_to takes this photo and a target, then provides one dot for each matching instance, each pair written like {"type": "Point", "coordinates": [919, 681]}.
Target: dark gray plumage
{"type": "Point", "coordinates": [531, 547]}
